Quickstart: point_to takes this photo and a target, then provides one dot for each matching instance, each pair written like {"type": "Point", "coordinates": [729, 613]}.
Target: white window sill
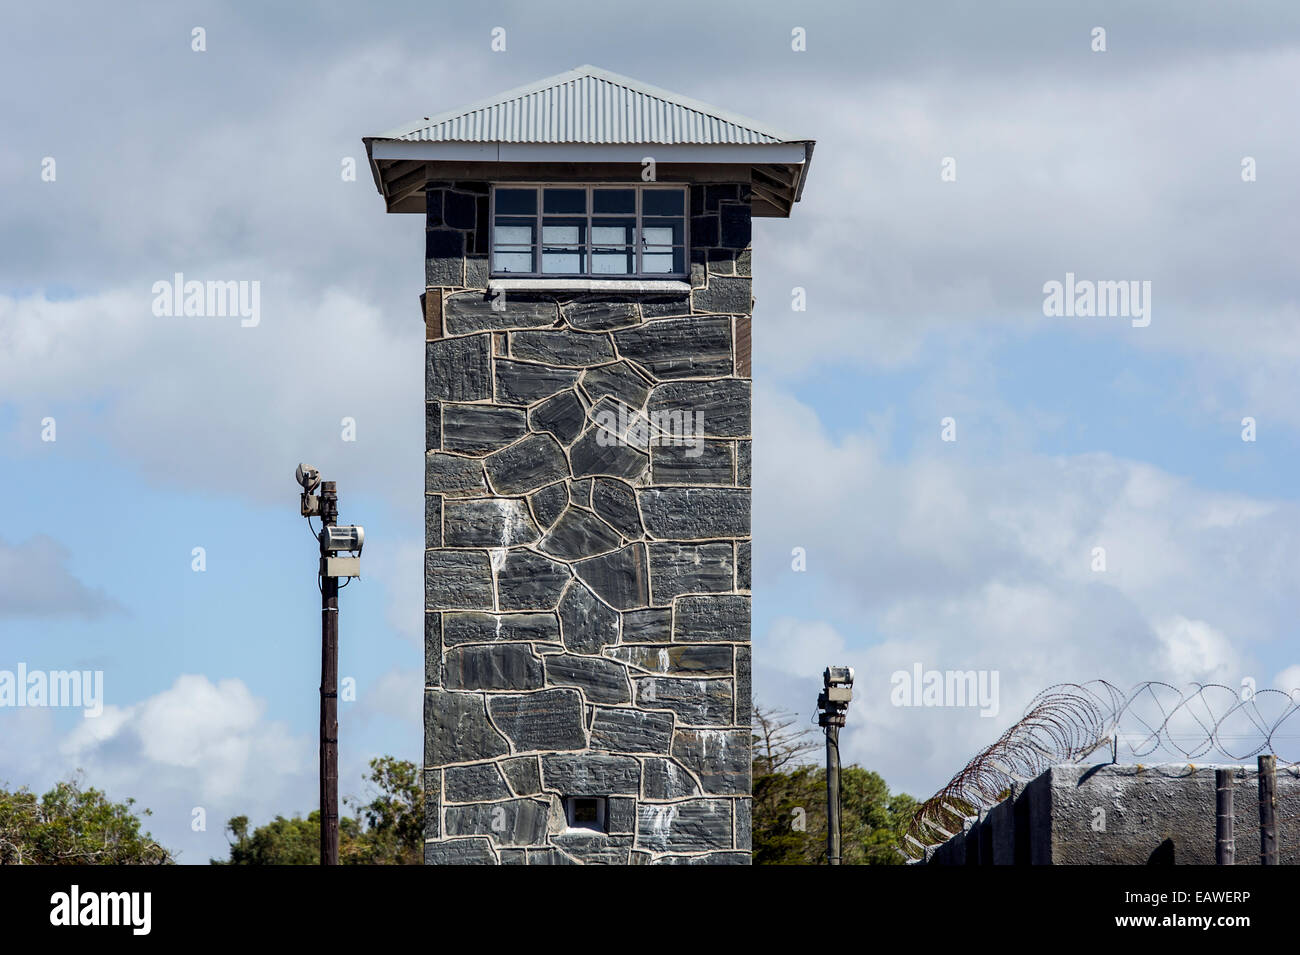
{"type": "Point", "coordinates": [590, 285]}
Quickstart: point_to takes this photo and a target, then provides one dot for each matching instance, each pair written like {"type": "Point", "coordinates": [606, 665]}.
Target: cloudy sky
{"type": "Point", "coordinates": [924, 302]}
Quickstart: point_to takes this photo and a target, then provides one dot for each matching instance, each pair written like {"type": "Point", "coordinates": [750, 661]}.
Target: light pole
{"type": "Point", "coordinates": [833, 704]}
{"type": "Point", "coordinates": [334, 540]}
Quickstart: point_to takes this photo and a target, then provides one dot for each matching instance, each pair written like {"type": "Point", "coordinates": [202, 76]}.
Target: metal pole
{"type": "Point", "coordinates": [329, 690]}
{"type": "Point", "coordinates": [1268, 810]}
{"type": "Point", "coordinates": [1224, 845]}
{"type": "Point", "coordinates": [833, 795]}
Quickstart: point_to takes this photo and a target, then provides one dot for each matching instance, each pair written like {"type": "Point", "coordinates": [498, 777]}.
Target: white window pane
{"type": "Point", "coordinates": [512, 261]}
{"type": "Point", "coordinates": [561, 260]}
{"type": "Point", "coordinates": [562, 234]}
{"type": "Point", "coordinates": [610, 235]}
{"type": "Point", "coordinates": [612, 262]}
{"type": "Point", "coordinates": [652, 235]}
{"type": "Point", "coordinates": [513, 235]}
{"type": "Point", "coordinates": [656, 261]}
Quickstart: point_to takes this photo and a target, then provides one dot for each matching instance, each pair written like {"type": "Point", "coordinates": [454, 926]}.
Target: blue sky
{"type": "Point", "coordinates": [924, 302]}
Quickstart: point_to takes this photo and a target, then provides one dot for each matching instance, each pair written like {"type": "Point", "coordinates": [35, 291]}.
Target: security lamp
{"type": "Point", "coordinates": [308, 477]}
{"type": "Point", "coordinates": [344, 537]}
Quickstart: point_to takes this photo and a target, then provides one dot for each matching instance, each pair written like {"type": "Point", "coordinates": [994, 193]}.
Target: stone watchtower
{"type": "Point", "coordinates": [587, 313]}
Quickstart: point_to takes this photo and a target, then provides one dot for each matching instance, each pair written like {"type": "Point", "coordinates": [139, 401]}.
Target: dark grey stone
{"type": "Point", "coordinates": [458, 210]}
{"type": "Point", "coordinates": [544, 720]}
{"type": "Point", "coordinates": [433, 803]}
{"type": "Point", "coordinates": [459, 852]}
{"type": "Point", "coordinates": [617, 380]}
{"type": "Point", "coordinates": [457, 729]}
{"type": "Point", "coordinates": [594, 848]}
{"type": "Point", "coordinates": [501, 666]}
{"type": "Point", "coordinates": [680, 348]}
{"type": "Point", "coordinates": [702, 462]}
{"type": "Point", "coordinates": [562, 415]}
{"type": "Point", "coordinates": [667, 779]}
{"type": "Point", "coordinates": [532, 463]}
{"type": "Point", "coordinates": [432, 649]}
{"type": "Point", "coordinates": [631, 731]}
{"type": "Point", "coordinates": [744, 690]}
{"type": "Point", "coordinates": [700, 619]}
{"type": "Point", "coordinates": [579, 534]}
{"type": "Point", "coordinates": [601, 315]}
{"type": "Point", "coordinates": [675, 659]}
{"type": "Point", "coordinates": [695, 513]}
{"type": "Point", "coordinates": [514, 856]}
{"type": "Point", "coordinates": [696, 702]}
{"type": "Point", "coordinates": [474, 312]}
{"type": "Point", "coordinates": [591, 774]}
{"type": "Point", "coordinates": [621, 578]}
{"type": "Point", "coordinates": [510, 822]}
{"type": "Point", "coordinates": [458, 369]}
{"type": "Point", "coordinates": [580, 492]}
{"type": "Point", "coordinates": [523, 775]}
{"type": "Point", "coordinates": [432, 520]}
{"type": "Point", "coordinates": [743, 566]}
{"type": "Point", "coordinates": [470, 783]}
{"type": "Point", "coordinates": [449, 474]}
{"type": "Point", "coordinates": [677, 569]}
{"type": "Point", "coordinates": [433, 207]}
{"type": "Point", "coordinates": [603, 681]}
{"type": "Point", "coordinates": [725, 857]}
{"type": "Point", "coordinates": [724, 404]}
{"type": "Point", "coordinates": [737, 228]}
{"type": "Point", "coordinates": [476, 429]}
{"type": "Point", "coordinates": [717, 193]}
{"type": "Point", "coordinates": [704, 231]}
{"type": "Point", "coordinates": [432, 425]}
{"type": "Point", "coordinates": [549, 503]}
{"type": "Point", "coordinates": [457, 580]}
{"type": "Point", "coordinates": [600, 452]}
{"type": "Point", "coordinates": [460, 628]}
{"type": "Point", "coordinates": [648, 626]}
{"type": "Point", "coordinates": [530, 581]}
{"type": "Point", "coordinates": [523, 383]}
{"type": "Point", "coordinates": [694, 826]}
{"type": "Point", "coordinates": [549, 856]}
{"type": "Point", "coordinates": [743, 464]}
{"type": "Point", "coordinates": [666, 306]}
{"type": "Point", "coordinates": [744, 810]}
{"type": "Point", "coordinates": [620, 815]}
{"type": "Point", "coordinates": [489, 522]}
{"type": "Point", "coordinates": [477, 271]}
{"type": "Point", "coordinates": [588, 624]}
{"type": "Point", "coordinates": [444, 258]}
{"type": "Point", "coordinates": [562, 347]}
{"type": "Point", "coordinates": [719, 758]}
{"type": "Point", "coordinates": [615, 501]}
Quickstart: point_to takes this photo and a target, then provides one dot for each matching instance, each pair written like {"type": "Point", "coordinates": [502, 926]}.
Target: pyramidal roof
{"type": "Point", "coordinates": [590, 105]}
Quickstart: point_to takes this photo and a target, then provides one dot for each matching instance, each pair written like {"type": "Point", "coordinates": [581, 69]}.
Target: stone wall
{"type": "Point", "coordinates": [587, 579]}
{"type": "Point", "coordinates": [1105, 814]}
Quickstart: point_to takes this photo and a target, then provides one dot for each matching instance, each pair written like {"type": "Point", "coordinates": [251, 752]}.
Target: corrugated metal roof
{"type": "Point", "coordinates": [590, 105]}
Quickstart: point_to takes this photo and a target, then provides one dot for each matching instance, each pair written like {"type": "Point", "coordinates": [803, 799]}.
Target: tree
{"type": "Point", "coordinates": [789, 811]}
{"type": "Point", "coordinates": [73, 825]}
{"type": "Point", "coordinates": [387, 830]}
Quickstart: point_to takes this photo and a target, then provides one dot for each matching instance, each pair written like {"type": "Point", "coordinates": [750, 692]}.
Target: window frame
{"type": "Point", "coordinates": [639, 188]}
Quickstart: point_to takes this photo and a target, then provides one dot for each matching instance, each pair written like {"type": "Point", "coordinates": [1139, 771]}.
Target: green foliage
{"type": "Point", "coordinates": [72, 825]}
{"type": "Point", "coordinates": [790, 817]}
{"type": "Point", "coordinates": [387, 830]}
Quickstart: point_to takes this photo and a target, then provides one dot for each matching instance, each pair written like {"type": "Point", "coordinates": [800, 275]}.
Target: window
{"type": "Point", "coordinates": [585, 812]}
{"type": "Point", "coordinates": [608, 232]}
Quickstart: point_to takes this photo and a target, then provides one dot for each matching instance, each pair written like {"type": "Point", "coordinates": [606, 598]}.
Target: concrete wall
{"type": "Point", "coordinates": [587, 587]}
{"type": "Point", "coordinates": [1124, 815]}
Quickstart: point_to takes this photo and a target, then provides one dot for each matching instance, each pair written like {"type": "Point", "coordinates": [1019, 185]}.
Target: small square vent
{"type": "Point", "coordinates": [586, 812]}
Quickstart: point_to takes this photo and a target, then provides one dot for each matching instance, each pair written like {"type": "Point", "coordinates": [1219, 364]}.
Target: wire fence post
{"type": "Point", "coordinates": [1224, 846]}
{"type": "Point", "coordinates": [1268, 810]}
